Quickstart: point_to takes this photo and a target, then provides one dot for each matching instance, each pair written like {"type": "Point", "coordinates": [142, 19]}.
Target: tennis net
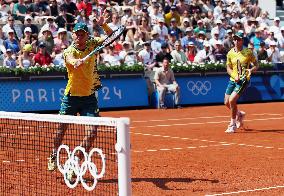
{"type": "Point", "coordinates": [101, 145]}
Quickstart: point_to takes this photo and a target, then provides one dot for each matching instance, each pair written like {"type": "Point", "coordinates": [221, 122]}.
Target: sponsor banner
{"type": "Point", "coordinates": [39, 95]}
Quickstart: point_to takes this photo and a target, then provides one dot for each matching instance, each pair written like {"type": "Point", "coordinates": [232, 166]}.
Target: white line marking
{"type": "Point", "coordinates": [209, 122]}
{"type": "Point", "coordinates": [245, 191]}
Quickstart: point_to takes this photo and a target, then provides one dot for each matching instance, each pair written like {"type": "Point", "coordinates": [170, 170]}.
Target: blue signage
{"type": "Point", "coordinates": [211, 89]}
{"type": "Point", "coordinates": [38, 95]}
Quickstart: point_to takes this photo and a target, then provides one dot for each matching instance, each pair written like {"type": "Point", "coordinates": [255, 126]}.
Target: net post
{"type": "Point", "coordinates": [123, 153]}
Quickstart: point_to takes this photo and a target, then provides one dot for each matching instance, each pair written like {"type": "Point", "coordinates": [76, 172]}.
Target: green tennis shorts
{"type": "Point", "coordinates": [85, 106]}
{"type": "Point", "coordinates": [238, 87]}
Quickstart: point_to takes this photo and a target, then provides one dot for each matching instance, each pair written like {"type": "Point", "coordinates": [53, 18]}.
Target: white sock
{"type": "Point", "coordinates": [233, 121]}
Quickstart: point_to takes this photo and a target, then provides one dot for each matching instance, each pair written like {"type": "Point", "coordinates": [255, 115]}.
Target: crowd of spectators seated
{"type": "Point", "coordinates": [36, 32]}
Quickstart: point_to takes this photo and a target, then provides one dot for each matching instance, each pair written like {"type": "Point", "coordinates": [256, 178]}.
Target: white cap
{"type": "Point", "coordinates": [61, 30]}
{"type": "Point", "coordinates": [28, 29]}
{"type": "Point", "coordinates": [229, 31]}
{"type": "Point", "coordinates": [185, 20]}
{"type": "Point", "coordinates": [219, 42]}
{"type": "Point", "coordinates": [282, 28]}
{"type": "Point", "coordinates": [215, 31]}
{"type": "Point", "coordinates": [45, 28]}
{"type": "Point", "coordinates": [10, 30]}
{"type": "Point", "coordinates": [206, 44]}
{"type": "Point", "coordinates": [161, 20]}
{"type": "Point", "coordinates": [276, 18]}
{"type": "Point", "coordinates": [199, 21]}
{"type": "Point", "coordinates": [28, 17]}
{"type": "Point", "coordinates": [218, 21]}
{"type": "Point", "coordinates": [272, 43]}
{"type": "Point", "coordinates": [190, 44]}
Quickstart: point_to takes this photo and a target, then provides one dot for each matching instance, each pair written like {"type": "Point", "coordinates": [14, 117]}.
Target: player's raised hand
{"type": "Point", "coordinates": [102, 18]}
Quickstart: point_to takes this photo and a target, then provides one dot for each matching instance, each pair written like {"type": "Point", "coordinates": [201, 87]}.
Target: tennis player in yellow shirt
{"type": "Point", "coordinates": [83, 82]}
{"type": "Point", "coordinates": [240, 64]}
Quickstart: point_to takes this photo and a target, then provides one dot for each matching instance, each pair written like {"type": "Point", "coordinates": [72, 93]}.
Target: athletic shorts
{"type": "Point", "coordinates": [85, 106]}
{"type": "Point", "coordinates": [238, 87]}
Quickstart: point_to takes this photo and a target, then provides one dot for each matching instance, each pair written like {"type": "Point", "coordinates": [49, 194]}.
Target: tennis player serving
{"type": "Point", "coordinates": [83, 82]}
{"type": "Point", "coordinates": [240, 64]}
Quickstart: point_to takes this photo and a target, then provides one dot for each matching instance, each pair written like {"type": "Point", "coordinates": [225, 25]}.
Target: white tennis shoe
{"type": "Point", "coordinates": [240, 119]}
{"type": "Point", "coordinates": [231, 128]}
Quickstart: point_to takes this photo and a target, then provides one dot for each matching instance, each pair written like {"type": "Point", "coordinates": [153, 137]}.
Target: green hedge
{"type": "Point", "coordinates": [136, 68]}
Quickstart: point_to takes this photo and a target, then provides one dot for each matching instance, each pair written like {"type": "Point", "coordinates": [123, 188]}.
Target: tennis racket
{"type": "Point", "coordinates": [240, 70]}
{"type": "Point", "coordinates": [107, 41]}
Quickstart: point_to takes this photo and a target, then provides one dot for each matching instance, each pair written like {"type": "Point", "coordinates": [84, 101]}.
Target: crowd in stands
{"type": "Point", "coordinates": [36, 32]}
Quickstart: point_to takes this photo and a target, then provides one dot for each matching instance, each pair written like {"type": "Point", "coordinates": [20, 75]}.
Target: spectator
{"type": "Point", "coordinates": [127, 14]}
{"type": "Point", "coordinates": [42, 58]}
{"type": "Point", "coordinates": [164, 53]}
{"type": "Point", "coordinates": [172, 14]}
{"type": "Point", "coordinates": [145, 28]}
{"type": "Point", "coordinates": [273, 53]}
{"type": "Point", "coordinates": [187, 38]}
{"type": "Point", "coordinates": [111, 58]}
{"type": "Point", "coordinates": [251, 47]}
{"type": "Point", "coordinates": [84, 5]}
{"type": "Point", "coordinates": [219, 52]}
{"type": "Point", "coordinates": [262, 53]}
{"type": "Point", "coordinates": [53, 8]}
{"type": "Point", "coordinates": [25, 59]}
{"type": "Point", "coordinates": [177, 54]}
{"type": "Point", "coordinates": [276, 26]}
{"type": "Point", "coordinates": [146, 56]}
{"type": "Point", "coordinates": [9, 61]}
{"type": "Point", "coordinates": [165, 81]}
{"type": "Point", "coordinates": [184, 25]}
{"type": "Point", "coordinates": [270, 38]}
{"type": "Point", "coordinates": [64, 20]}
{"type": "Point", "coordinates": [19, 10]}
{"type": "Point", "coordinates": [115, 22]}
{"type": "Point", "coordinates": [229, 42]}
{"type": "Point", "coordinates": [58, 59]}
{"type": "Point", "coordinates": [130, 30]}
{"type": "Point", "coordinates": [4, 10]}
{"type": "Point", "coordinates": [28, 23]}
{"type": "Point", "coordinates": [174, 28]}
{"type": "Point", "coordinates": [51, 25]}
{"type": "Point", "coordinates": [70, 7]}
{"type": "Point", "coordinates": [11, 42]}
{"type": "Point", "coordinates": [257, 39]}
{"type": "Point", "coordinates": [155, 15]}
{"type": "Point", "coordinates": [61, 40]}
{"type": "Point", "coordinates": [38, 9]}
{"type": "Point", "coordinates": [191, 51]}
{"type": "Point", "coordinates": [172, 40]}
{"type": "Point", "coordinates": [200, 27]}
{"type": "Point", "coordinates": [16, 28]}
{"type": "Point", "coordinates": [161, 29]}
{"type": "Point", "coordinates": [45, 36]}
{"type": "Point", "coordinates": [200, 40]}
{"type": "Point", "coordinates": [205, 55]}
{"type": "Point", "coordinates": [221, 29]}
{"type": "Point", "coordinates": [215, 37]}
{"type": "Point", "coordinates": [155, 44]}
{"type": "Point", "coordinates": [128, 55]}
{"type": "Point", "coordinates": [182, 6]}
{"type": "Point", "coordinates": [27, 39]}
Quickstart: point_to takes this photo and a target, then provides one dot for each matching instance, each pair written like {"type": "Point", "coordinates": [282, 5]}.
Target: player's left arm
{"type": "Point", "coordinates": [102, 21]}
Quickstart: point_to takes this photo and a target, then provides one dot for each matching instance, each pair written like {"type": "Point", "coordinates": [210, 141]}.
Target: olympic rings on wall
{"type": "Point", "coordinates": [73, 165]}
{"type": "Point", "coordinates": [199, 87]}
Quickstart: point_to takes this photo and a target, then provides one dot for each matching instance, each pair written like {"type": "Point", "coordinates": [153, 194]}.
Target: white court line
{"type": "Point", "coordinates": [208, 122]}
{"type": "Point", "coordinates": [224, 143]}
{"type": "Point", "coordinates": [195, 118]}
{"type": "Point", "coordinates": [246, 191]}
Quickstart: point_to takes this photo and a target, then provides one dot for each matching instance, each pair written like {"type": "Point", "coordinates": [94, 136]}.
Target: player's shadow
{"type": "Point", "coordinates": [248, 130]}
{"type": "Point", "coordinates": [162, 182]}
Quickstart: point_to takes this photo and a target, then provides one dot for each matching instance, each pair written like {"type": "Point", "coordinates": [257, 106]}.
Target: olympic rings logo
{"type": "Point", "coordinates": [199, 87]}
{"type": "Point", "coordinates": [80, 171]}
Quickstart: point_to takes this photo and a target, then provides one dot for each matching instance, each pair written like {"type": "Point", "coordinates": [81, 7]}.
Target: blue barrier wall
{"type": "Point", "coordinates": [211, 88]}
{"type": "Point", "coordinates": [38, 95]}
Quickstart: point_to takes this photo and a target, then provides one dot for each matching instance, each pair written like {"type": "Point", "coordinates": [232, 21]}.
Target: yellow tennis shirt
{"type": "Point", "coordinates": [246, 58]}
{"type": "Point", "coordinates": [84, 80]}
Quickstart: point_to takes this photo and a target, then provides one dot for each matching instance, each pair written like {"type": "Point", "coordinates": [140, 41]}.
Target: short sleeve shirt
{"type": "Point", "coordinates": [164, 77]}
{"type": "Point", "coordinates": [245, 56]}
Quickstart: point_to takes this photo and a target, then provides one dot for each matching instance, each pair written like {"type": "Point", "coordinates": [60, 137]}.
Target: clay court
{"type": "Point", "coordinates": [174, 152]}
{"type": "Point", "coordinates": [186, 152]}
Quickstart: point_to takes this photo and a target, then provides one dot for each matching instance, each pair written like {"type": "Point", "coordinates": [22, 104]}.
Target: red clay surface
{"type": "Point", "coordinates": [186, 152]}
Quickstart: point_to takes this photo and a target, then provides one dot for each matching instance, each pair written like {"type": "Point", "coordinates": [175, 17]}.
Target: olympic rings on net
{"type": "Point", "coordinates": [72, 165]}
{"type": "Point", "coordinates": [199, 87]}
